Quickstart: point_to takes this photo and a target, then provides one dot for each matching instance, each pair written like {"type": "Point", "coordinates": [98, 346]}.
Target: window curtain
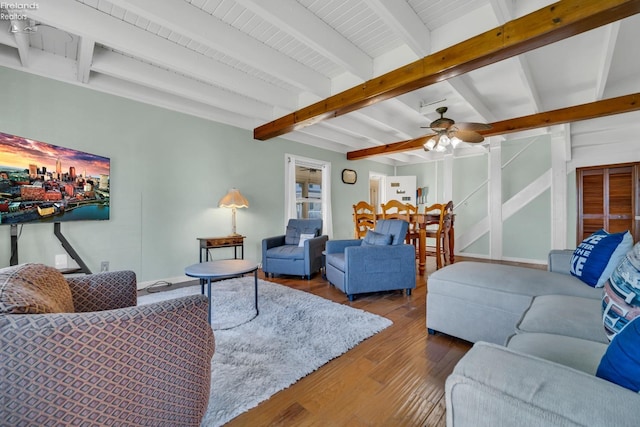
{"type": "Point", "coordinates": [291, 162]}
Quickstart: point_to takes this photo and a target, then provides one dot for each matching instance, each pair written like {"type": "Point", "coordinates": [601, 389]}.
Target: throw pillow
{"type": "Point", "coordinates": [34, 289]}
{"type": "Point", "coordinates": [304, 238]}
{"type": "Point", "coordinates": [598, 255]}
{"type": "Point", "coordinates": [621, 362]}
{"type": "Point", "coordinates": [373, 238]}
{"type": "Point", "coordinates": [310, 230]}
{"type": "Point", "coordinates": [292, 237]}
{"type": "Point", "coordinates": [621, 297]}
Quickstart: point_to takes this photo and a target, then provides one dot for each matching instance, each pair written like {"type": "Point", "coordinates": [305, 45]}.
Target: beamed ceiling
{"type": "Point", "coordinates": [360, 77]}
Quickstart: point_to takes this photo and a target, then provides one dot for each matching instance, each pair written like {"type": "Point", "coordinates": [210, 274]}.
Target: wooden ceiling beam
{"type": "Point", "coordinates": [540, 28]}
{"type": "Point", "coordinates": [591, 110]}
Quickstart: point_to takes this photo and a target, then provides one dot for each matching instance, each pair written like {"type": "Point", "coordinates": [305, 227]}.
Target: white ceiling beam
{"type": "Point", "coordinates": [465, 91]}
{"type": "Point", "coordinates": [402, 19]}
{"type": "Point", "coordinates": [609, 45]}
{"type": "Point", "coordinates": [21, 37]}
{"type": "Point", "coordinates": [527, 80]}
{"type": "Point", "coordinates": [6, 37]}
{"type": "Point", "coordinates": [129, 90]}
{"type": "Point", "coordinates": [392, 116]}
{"type": "Point", "coordinates": [504, 11]}
{"type": "Point", "coordinates": [85, 57]}
{"type": "Point", "coordinates": [295, 19]}
{"type": "Point", "coordinates": [86, 21]}
{"type": "Point", "coordinates": [126, 68]}
{"type": "Point", "coordinates": [196, 24]}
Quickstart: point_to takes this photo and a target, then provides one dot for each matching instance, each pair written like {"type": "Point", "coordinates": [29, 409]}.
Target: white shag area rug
{"type": "Point", "coordinates": [295, 333]}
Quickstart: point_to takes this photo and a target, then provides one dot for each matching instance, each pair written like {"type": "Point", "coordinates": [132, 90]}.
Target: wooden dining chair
{"type": "Point", "coordinates": [395, 209]}
{"type": "Point", "coordinates": [364, 218]}
{"type": "Point", "coordinates": [436, 230]}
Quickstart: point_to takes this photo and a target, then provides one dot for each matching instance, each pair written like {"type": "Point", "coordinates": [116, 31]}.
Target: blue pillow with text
{"type": "Point", "coordinates": [621, 362]}
{"type": "Point", "coordinates": [598, 255]}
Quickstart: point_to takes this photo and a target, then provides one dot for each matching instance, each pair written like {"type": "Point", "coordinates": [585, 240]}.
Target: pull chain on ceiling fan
{"type": "Point", "coordinates": [448, 133]}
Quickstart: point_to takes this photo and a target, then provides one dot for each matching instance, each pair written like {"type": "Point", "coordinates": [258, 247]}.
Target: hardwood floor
{"type": "Point", "coordinates": [394, 378]}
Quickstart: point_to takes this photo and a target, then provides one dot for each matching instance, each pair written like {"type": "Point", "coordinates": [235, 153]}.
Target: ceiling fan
{"type": "Point", "coordinates": [448, 133]}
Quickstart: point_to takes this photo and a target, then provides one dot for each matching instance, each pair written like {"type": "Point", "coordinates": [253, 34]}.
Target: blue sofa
{"type": "Point", "coordinates": [284, 255]}
{"type": "Point", "coordinates": [356, 267]}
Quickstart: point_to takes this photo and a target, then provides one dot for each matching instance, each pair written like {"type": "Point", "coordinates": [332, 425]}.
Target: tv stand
{"type": "Point", "coordinates": [14, 245]}
{"type": "Point", "coordinates": [67, 247]}
{"type": "Point", "coordinates": [65, 244]}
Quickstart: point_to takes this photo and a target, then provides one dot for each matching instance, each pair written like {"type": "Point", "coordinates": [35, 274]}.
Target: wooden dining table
{"type": "Point", "coordinates": [423, 220]}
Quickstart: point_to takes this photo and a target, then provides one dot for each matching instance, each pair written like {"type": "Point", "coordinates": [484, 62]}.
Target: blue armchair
{"type": "Point", "coordinates": [379, 262]}
{"type": "Point", "coordinates": [286, 255]}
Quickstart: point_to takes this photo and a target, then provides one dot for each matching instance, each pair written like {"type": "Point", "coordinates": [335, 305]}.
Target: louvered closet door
{"type": "Point", "coordinates": [607, 198]}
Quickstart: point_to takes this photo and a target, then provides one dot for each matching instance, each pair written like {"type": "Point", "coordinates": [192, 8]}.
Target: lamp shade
{"type": "Point", "coordinates": [233, 199]}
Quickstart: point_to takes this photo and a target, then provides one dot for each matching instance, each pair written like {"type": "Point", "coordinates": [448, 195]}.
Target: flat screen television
{"type": "Point", "coordinates": [41, 182]}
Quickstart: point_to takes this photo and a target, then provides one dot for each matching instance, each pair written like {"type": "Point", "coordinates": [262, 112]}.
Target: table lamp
{"type": "Point", "coordinates": [233, 199]}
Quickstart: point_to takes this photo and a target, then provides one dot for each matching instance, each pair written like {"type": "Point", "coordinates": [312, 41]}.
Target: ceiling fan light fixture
{"type": "Point", "coordinates": [440, 148]}
{"type": "Point", "coordinates": [455, 141]}
{"type": "Point", "coordinates": [430, 144]}
{"type": "Point", "coordinates": [444, 140]}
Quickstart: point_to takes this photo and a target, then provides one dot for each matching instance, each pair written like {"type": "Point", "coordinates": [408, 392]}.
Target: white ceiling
{"type": "Point", "coordinates": [248, 62]}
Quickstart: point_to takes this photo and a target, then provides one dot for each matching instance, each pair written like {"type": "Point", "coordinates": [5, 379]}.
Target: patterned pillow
{"type": "Point", "coordinates": [34, 289]}
{"type": "Point", "coordinates": [595, 258]}
{"type": "Point", "coordinates": [373, 238]}
{"type": "Point", "coordinates": [621, 297]}
{"type": "Point", "coordinates": [621, 362]}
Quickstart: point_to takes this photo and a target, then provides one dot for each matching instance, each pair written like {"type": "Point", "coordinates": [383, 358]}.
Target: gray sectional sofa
{"type": "Point", "coordinates": [539, 339]}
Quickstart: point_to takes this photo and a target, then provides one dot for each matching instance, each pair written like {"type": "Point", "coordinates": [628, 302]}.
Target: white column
{"type": "Point", "coordinates": [495, 197]}
{"type": "Point", "coordinates": [447, 185]}
{"type": "Point", "coordinates": [560, 155]}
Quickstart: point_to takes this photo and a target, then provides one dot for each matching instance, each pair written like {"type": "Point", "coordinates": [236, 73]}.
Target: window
{"type": "Point", "coordinates": [307, 192]}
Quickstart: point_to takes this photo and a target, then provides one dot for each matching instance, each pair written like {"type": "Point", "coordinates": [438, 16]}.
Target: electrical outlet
{"type": "Point", "coordinates": [104, 266]}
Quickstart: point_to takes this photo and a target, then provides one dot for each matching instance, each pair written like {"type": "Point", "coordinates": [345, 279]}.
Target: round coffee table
{"type": "Point", "coordinates": [220, 270]}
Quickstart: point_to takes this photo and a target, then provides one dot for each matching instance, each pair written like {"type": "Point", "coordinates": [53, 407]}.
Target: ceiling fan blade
{"type": "Point", "coordinates": [472, 126]}
{"type": "Point", "coordinates": [468, 136]}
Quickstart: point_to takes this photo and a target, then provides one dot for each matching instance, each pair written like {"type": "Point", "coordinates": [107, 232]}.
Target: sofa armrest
{"type": "Point", "coordinates": [103, 291]}
{"type": "Point", "coordinates": [560, 261]}
{"type": "Point", "coordinates": [338, 246]}
{"type": "Point", "coordinates": [493, 385]}
{"type": "Point", "coordinates": [148, 365]}
{"type": "Point", "coordinates": [315, 246]}
{"type": "Point", "coordinates": [272, 242]}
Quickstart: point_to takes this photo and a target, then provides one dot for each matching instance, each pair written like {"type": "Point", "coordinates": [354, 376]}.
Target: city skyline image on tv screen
{"type": "Point", "coordinates": [41, 182]}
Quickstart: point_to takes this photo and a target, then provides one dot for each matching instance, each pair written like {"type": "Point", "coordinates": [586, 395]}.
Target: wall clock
{"type": "Point", "coordinates": [349, 176]}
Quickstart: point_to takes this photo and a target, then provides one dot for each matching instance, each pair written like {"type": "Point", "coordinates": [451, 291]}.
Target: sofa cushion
{"type": "Point", "coordinates": [286, 252]}
{"type": "Point", "coordinates": [373, 238]}
{"type": "Point", "coordinates": [337, 260]}
{"type": "Point", "coordinates": [621, 362]}
{"type": "Point", "coordinates": [564, 315]}
{"type": "Point", "coordinates": [292, 236]}
{"type": "Point", "coordinates": [595, 258]}
{"type": "Point", "coordinates": [34, 289]}
{"type": "Point", "coordinates": [583, 355]}
{"type": "Point", "coordinates": [621, 299]}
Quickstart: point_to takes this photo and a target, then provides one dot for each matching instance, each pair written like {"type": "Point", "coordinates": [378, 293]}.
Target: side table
{"type": "Point", "coordinates": [234, 242]}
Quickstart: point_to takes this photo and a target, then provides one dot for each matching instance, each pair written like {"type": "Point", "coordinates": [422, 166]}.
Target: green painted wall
{"type": "Point", "coordinates": [471, 198]}
{"type": "Point", "coordinates": [526, 234]}
{"type": "Point", "coordinates": [168, 171]}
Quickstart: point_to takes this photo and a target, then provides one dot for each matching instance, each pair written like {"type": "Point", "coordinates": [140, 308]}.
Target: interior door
{"type": "Point", "coordinates": [608, 198]}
